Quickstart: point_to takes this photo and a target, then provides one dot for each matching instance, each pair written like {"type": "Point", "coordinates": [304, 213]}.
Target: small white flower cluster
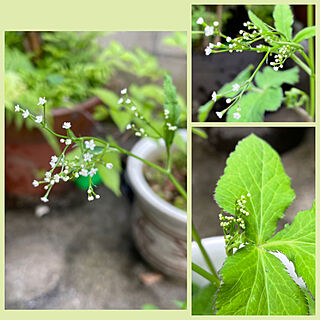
{"type": "Point", "coordinates": [63, 169]}
{"type": "Point", "coordinates": [208, 30]}
{"type": "Point", "coordinates": [283, 54]}
{"type": "Point", "coordinates": [171, 127]}
{"type": "Point", "coordinates": [126, 100]}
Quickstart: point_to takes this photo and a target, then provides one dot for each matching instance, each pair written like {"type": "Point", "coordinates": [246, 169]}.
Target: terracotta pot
{"type": "Point", "coordinates": [27, 151]}
{"type": "Point", "coordinates": [159, 228]}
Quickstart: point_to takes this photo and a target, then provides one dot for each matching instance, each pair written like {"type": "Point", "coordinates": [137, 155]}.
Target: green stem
{"type": "Point", "coordinates": [302, 65]}
{"type": "Point", "coordinates": [203, 251]}
{"type": "Point", "coordinates": [177, 185]}
{"type": "Point", "coordinates": [205, 274]}
{"type": "Point", "coordinates": [311, 56]}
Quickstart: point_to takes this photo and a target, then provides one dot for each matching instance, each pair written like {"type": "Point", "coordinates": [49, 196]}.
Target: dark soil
{"type": "Point", "coordinates": [161, 184]}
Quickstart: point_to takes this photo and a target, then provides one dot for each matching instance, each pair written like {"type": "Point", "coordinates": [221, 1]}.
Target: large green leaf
{"type": "Point", "coordinates": [270, 78]}
{"type": "Point", "coordinates": [258, 22]}
{"type": "Point", "coordinates": [239, 79]}
{"type": "Point", "coordinates": [203, 299]}
{"type": "Point", "coordinates": [283, 20]}
{"type": "Point", "coordinates": [305, 33]}
{"type": "Point", "coordinates": [255, 282]}
{"type": "Point", "coordinates": [255, 168]}
{"type": "Point", "coordinates": [297, 242]}
{"type": "Point", "coordinates": [267, 97]}
{"type": "Point", "coordinates": [254, 104]}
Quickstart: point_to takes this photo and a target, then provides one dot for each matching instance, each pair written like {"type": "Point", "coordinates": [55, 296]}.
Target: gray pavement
{"type": "Point", "coordinates": [80, 256]}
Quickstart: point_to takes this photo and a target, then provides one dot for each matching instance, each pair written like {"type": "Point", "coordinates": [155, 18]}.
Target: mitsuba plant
{"type": "Point", "coordinates": [91, 154]}
{"type": "Point", "coordinates": [253, 193]}
{"type": "Point", "coordinates": [247, 101]}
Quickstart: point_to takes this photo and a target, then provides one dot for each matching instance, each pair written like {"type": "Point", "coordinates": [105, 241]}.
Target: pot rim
{"type": "Point", "coordinates": [144, 148]}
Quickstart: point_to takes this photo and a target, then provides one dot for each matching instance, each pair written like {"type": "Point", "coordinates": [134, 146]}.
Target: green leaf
{"type": "Point", "coordinates": [239, 79]}
{"type": "Point", "coordinates": [283, 20]}
{"type": "Point", "coordinates": [254, 104]}
{"type": "Point", "coordinates": [120, 117]}
{"type": "Point", "coordinates": [255, 168]}
{"type": "Point", "coordinates": [258, 22]}
{"type": "Point", "coordinates": [305, 33]}
{"type": "Point", "coordinates": [311, 302]}
{"type": "Point", "coordinates": [110, 178]}
{"type": "Point", "coordinates": [204, 110]}
{"type": "Point", "coordinates": [267, 97]}
{"type": "Point", "coordinates": [297, 242]}
{"type": "Point", "coordinates": [200, 132]}
{"type": "Point", "coordinates": [170, 104]}
{"type": "Point", "coordinates": [270, 78]}
{"type": "Point", "coordinates": [255, 282]}
{"type": "Point", "coordinates": [203, 299]}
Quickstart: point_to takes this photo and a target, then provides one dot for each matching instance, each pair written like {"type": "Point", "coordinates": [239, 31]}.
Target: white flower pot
{"type": "Point", "coordinates": [216, 251]}
{"type": "Point", "coordinates": [159, 228]}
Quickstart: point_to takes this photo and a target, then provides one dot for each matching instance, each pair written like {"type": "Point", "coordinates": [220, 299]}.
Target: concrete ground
{"type": "Point", "coordinates": [80, 257]}
{"type": "Point", "coordinates": [208, 164]}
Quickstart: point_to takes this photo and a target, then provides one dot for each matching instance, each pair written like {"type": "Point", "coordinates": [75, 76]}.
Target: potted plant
{"type": "Point", "coordinates": [69, 66]}
{"type": "Point", "coordinates": [256, 90]}
{"type": "Point", "coordinates": [90, 155]}
{"type": "Point", "coordinates": [159, 227]}
{"type": "Point", "coordinates": [253, 194]}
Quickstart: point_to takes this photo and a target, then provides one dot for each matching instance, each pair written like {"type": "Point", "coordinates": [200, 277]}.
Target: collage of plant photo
{"type": "Point", "coordinates": [121, 194]}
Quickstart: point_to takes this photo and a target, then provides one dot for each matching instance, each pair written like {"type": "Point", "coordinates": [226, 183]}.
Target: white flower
{"type": "Point", "coordinates": [48, 174]}
{"type": "Point", "coordinates": [83, 172]}
{"type": "Point", "coordinates": [210, 45]}
{"type": "Point", "coordinates": [97, 196]}
{"type": "Point", "coordinates": [207, 50]}
{"type": "Point", "coordinates": [66, 125]}
{"type": "Point", "coordinates": [218, 44]}
{"type": "Point", "coordinates": [87, 156]}
{"type": "Point", "coordinates": [62, 140]}
{"type": "Point", "coordinates": [133, 108]}
{"type": "Point", "coordinates": [56, 178]}
{"type": "Point", "coordinates": [68, 142]}
{"type": "Point", "coordinates": [44, 199]}
{"type": "Point", "coordinates": [90, 198]}
{"type": "Point", "coordinates": [93, 171]}
{"type": "Point", "coordinates": [138, 134]}
{"type": "Point", "coordinates": [128, 100]}
{"type": "Point", "coordinates": [42, 101]}
{"type": "Point", "coordinates": [200, 20]}
{"type": "Point", "coordinates": [173, 128]}
{"type": "Point", "coordinates": [124, 91]}
{"type": "Point", "coordinates": [214, 96]}
{"type": "Point", "coordinates": [166, 111]}
{"type": "Point", "coordinates": [54, 159]}
{"type": "Point", "coordinates": [35, 183]}
{"type": "Point", "coordinates": [17, 108]}
{"type": "Point", "coordinates": [237, 115]}
{"type": "Point", "coordinates": [235, 87]}
{"type": "Point", "coordinates": [109, 165]}
{"type": "Point", "coordinates": [248, 194]}
{"type": "Point", "coordinates": [208, 31]}
{"type": "Point", "coordinates": [120, 100]}
{"type": "Point", "coordinates": [228, 100]}
{"type": "Point", "coordinates": [129, 126]}
{"type": "Point", "coordinates": [241, 31]}
{"type": "Point", "coordinates": [275, 68]}
{"type": "Point", "coordinates": [38, 119]}
{"type": "Point", "coordinates": [215, 23]}
{"type": "Point", "coordinates": [26, 113]}
{"type": "Point", "coordinates": [76, 175]}
{"type": "Point", "coordinates": [228, 39]}
{"type": "Point", "coordinates": [219, 114]}
{"type": "Point", "coordinates": [90, 144]}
